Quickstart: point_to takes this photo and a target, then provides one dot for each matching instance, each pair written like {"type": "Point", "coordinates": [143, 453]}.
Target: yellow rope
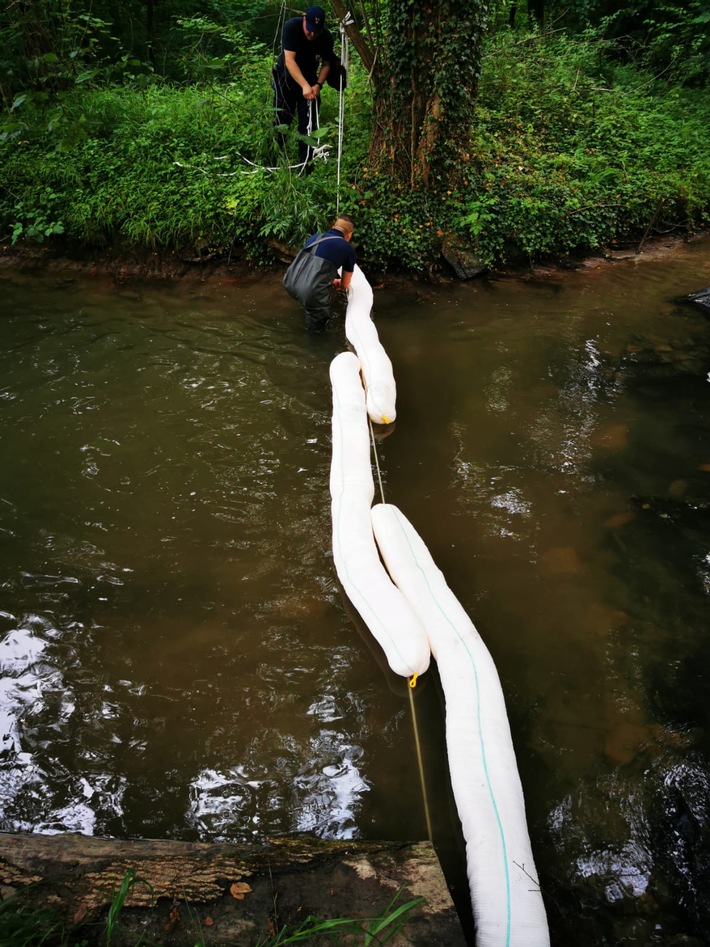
{"type": "Point", "coordinates": [425, 800]}
{"type": "Point", "coordinates": [412, 679]}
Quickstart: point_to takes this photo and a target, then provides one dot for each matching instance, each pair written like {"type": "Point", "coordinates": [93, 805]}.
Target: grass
{"type": "Point", "coordinates": [366, 931]}
{"type": "Point", "coordinates": [23, 926]}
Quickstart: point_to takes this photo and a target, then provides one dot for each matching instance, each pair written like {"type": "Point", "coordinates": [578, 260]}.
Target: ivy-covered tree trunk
{"type": "Point", "coordinates": [425, 86]}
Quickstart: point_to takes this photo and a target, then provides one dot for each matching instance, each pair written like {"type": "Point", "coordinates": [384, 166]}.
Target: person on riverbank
{"type": "Point", "coordinates": [299, 75]}
{"type": "Point", "coordinates": [314, 272]}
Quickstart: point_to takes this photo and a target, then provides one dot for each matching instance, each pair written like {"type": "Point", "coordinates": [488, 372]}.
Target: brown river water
{"type": "Point", "coordinates": [178, 660]}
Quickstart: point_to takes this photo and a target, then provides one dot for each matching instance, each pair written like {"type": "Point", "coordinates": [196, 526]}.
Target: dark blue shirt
{"type": "Point", "coordinates": [307, 51]}
{"type": "Point", "coordinates": [339, 252]}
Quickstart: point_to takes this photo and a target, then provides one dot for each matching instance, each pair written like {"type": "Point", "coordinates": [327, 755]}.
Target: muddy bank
{"type": "Point", "coordinates": [125, 265]}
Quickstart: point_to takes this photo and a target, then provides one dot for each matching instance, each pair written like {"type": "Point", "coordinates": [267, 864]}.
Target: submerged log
{"type": "Point", "coordinates": [231, 894]}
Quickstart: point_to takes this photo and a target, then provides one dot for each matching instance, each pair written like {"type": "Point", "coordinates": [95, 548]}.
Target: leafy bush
{"type": "Point", "coordinates": [570, 152]}
{"type": "Point", "coordinates": [672, 39]}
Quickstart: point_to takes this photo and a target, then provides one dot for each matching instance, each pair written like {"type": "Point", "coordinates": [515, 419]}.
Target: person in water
{"type": "Point", "coordinates": [335, 249]}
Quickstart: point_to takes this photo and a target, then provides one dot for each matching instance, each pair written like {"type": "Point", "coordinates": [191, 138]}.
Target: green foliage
{"type": "Point", "coordinates": [216, 50]}
{"type": "Point", "coordinates": [34, 224]}
{"type": "Point", "coordinates": [571, 153]}
{"type": "Point", "coordinates": [24, 926]}
{"type": "Point", "coordinates": [567, 151]}
{"type": "Point", "coordinates": [369, 932]}
{"type": "Point", "coordinates": [169, 167]}
{"type": "Point", "coordinates": [122, 183]}
{"type": "Point", "coordinates": [50, 48]}
{"type": "Point", "coordinates": [669, 38]}
{"type": "Point", "coordinates": [57, 41]}
{"type": "Point", "coordinates": [397, 227]}
{"type": "Point", "coordinates": [53, 55]}
{"type": "Point", "coordinates": [129, 881]}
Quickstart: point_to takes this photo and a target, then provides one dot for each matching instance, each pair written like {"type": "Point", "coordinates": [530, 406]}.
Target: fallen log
{"type": "Point", "coordinates": [229, 893]}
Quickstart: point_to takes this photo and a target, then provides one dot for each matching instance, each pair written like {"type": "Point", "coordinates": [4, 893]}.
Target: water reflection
{"type": "Point", "coordinates": [176, 656]}
{"type": "Point", "coordinates": [31, 690]}
{"type": "Point", "coordinates": [320, 791]}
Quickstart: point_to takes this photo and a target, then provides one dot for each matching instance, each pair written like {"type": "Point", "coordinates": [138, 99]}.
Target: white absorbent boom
{"type": "Point", "coordinates": [382, 606]}
{"type": "Point", "coordinates": [507, 903]}
{"type": "Point", "coordinates": [412, 613]}
{"type": "Point", "coordinates": [360, 331]}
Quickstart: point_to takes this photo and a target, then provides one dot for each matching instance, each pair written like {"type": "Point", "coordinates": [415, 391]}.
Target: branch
{"type": "Point", "coordinates": [363, 48]}
{"type": "Point", "coordinates": [651, 222]}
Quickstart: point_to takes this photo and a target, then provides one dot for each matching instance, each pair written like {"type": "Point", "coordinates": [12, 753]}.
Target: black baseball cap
{"type": "Point", "coordinates": [315, 19]}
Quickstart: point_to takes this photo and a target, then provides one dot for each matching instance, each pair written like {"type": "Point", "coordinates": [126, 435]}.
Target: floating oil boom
{"type": "Point", "coordinates": [506, 899]}
{"type": "Point", "coordinates": [360, 331]}
{"type": "Point", "coordinates": [382, 606]}
{"type": "Point", "coordinates": [411, 612]}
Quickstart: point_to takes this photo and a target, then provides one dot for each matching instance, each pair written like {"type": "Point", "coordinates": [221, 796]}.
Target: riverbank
{"type": "Point", "coordinates": [125, 266]}
{"type": "Point", "coordinates": [570, 151]}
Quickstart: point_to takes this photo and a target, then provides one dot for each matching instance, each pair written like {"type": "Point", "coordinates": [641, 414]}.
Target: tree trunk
{"type": "Point", "coordinates": [426, 84]}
